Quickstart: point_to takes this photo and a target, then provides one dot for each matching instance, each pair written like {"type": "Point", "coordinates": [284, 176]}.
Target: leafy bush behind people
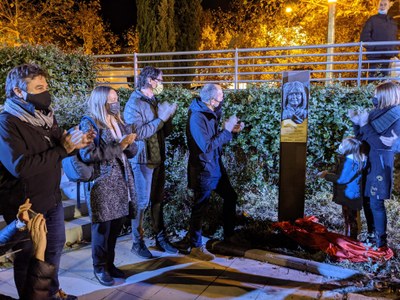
{"type": "Point", "coordinates": [252, 158]}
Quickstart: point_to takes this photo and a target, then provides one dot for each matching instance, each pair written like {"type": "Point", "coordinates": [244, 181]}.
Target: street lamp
{"type": "Point", "coordinates": [330, 36]}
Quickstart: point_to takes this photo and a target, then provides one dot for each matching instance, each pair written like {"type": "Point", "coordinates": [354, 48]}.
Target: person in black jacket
{"type": "Point", "coordinates": [113, 187]}
{"type": "Point", "coordinates": [40, 272]}
{"type": "Point", "coordinates": [32, 147]}
{"type": "Point", "coordinates": [206, 173]}
{"type": "Point", "coordinates": [378, 28]}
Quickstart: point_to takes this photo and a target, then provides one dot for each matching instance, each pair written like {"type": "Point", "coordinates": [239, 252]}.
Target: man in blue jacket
{"type": "Point", "coordinates": [206, 173]}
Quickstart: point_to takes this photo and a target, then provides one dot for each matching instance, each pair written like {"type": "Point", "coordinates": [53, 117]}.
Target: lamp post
{"type": "Point", "coordinates": [330, 37]}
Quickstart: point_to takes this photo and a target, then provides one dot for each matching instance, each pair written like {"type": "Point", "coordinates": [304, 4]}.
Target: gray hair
{"type": "Point", "coordinates": [208, 92]}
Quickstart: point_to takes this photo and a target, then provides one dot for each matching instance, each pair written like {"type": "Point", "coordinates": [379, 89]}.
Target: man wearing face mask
{"type": "Point", "coordinates": [378, 28]}
{"type": "Point", "coordinates": [152, 122]}
{"type": "Point", "coordinates": [32, 147]}
{"type": "Point", "coordinates": [206, 172]}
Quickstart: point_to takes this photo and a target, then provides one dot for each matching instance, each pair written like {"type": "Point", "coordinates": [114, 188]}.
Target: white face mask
{"type": "Point", "coordinates": [158, 89]}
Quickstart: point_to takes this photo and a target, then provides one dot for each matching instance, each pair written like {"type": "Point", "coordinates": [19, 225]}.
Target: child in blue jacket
{"type": "Point", "coordinates": [347, 183]}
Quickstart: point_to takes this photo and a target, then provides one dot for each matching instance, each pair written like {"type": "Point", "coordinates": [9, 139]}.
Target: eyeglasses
{"type": "Point", "coordinates": [158, 79]}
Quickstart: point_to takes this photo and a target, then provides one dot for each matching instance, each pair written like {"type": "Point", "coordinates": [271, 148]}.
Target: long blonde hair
{"type": "Point", "coordinates": [388, 94]}
{"type": "Point", "coordinates": [97, 106]}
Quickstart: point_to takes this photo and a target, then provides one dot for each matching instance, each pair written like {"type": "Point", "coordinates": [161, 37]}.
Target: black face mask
{"type": "Point", "coordinates": [113, 108]}
{"type": "Point", "coordinates": [40, 101]}
{"type": "Point", "coordinates": [219, 107]}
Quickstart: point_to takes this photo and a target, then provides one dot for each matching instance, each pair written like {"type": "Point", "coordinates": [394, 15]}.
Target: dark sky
{"type": "Point", "coordinates": [121, 14]}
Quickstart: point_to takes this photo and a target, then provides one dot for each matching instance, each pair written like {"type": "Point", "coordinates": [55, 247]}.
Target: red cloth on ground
{"type": "Point", "coordinates": [307, 232]}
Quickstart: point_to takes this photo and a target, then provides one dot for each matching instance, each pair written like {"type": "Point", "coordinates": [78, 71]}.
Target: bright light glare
{"type": "Point", "coordinates": [332, 1]}
{"type": "Point", "coordinates": [289, 9]}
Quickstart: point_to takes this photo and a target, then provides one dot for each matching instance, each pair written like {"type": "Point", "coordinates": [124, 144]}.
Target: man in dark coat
{"type": "Point", "coordinates": [206, 172]}
{"type": "Point", "coordinates": [378, 28]}
{"type": "Point", "coordinates": [32, 147]}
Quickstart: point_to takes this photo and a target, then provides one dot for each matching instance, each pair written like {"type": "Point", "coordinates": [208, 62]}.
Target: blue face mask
{"type": "Point", "coordinates": [382, 12]}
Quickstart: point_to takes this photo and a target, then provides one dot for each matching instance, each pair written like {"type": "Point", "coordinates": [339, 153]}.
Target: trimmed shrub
{"type": "Point", "coordinates": [252, 158]}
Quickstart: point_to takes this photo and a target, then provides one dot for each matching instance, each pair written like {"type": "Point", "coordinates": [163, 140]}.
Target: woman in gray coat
{"type": "Point", "coordinates": [113, 186]}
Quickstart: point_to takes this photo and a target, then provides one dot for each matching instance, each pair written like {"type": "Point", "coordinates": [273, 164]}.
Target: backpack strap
{"type": "Point", "coordinates": [95, 127]}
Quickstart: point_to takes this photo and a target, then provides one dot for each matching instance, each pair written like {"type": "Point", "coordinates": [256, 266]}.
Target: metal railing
{"type": "Point", "coordinates": [348, 63]}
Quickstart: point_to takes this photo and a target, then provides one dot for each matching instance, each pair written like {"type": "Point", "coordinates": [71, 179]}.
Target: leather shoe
{"type": "Point", "coordinates": [104, 278]}
{"type": "Point", "coordinates": [115, 272]}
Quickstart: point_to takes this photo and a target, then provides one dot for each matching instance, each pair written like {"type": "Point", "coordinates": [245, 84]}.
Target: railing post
{"type": "Point", "coordinates": [135, 69]}
{"type": "Point", "coordinates": [236, 78]}
{"type": "Point", "coordinates": [330, 40]}
{"type": "Point", "coordinates": [359, 67]}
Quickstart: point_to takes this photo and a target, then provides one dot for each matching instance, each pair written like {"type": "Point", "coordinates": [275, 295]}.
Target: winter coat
{"type": "Point", "coordinates": [379, 28]}
{"type": "Point", "coordinates": [347, 182]}
{"type": "Point", "coordinates": [205, 143]}
{"type": "Point", "coordinates": [40, 276]}
{"type": "Point", "coordinates": [379, 179]}
{"type": "Point", "coordinates": [40, 273]}
{"type": "Point", "coordinates": [7, 232]}
{"type": "Point", "coordinates": [113, 185]}
{"type": "Point", "coordinates": [30, 165]}
{"type": "Point", "coordinates": [141, 112]}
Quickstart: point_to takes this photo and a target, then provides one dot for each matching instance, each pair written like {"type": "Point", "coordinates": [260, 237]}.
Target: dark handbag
{"type": "Point", "coordinates": [74, 167]}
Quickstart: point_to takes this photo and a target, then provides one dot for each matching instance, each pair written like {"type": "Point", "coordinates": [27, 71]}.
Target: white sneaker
{"type": "Point", "coordinates": [201, 253]}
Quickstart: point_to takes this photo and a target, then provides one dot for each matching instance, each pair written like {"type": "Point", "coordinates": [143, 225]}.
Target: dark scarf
{"type": "Point", "coordinates": [382, 119]}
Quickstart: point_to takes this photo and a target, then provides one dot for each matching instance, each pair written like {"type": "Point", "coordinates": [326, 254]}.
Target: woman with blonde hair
{"type": "Point", "coordinates": [384, 120]}
{"type": "Point", "coordinates": [113, 186]}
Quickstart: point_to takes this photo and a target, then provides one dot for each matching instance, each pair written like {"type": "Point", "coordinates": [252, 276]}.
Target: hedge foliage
{"type": "Point", "coordinates": [252, 158]}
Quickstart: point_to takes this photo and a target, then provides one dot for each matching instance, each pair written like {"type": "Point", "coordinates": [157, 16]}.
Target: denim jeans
{"type": "Point", "coordinates": [199, 210]}
{"type": "Point", "coordinates": [104, 239]}
{"type": "Point", "coordinates": [55, 243]}
{"type": "Point", "coordinates": [149, 185]}
{"type": "Point", "coordinates": [380, 220]}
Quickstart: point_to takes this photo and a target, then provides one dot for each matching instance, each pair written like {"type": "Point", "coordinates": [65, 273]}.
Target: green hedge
{"type": "Point", "coordinates": [252, 158]}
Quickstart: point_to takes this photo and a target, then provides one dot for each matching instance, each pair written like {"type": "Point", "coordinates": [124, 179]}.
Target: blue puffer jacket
{"type": "Point", "coordinates": [40, 273]}
{"type": "Point", "coordinates": [205, 143]}
{"type": "Point", "coordinates": [347, 182]}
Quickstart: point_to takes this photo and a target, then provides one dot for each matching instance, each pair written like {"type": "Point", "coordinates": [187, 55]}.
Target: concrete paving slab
{"type": "Point", "coordinates": [179, 277]}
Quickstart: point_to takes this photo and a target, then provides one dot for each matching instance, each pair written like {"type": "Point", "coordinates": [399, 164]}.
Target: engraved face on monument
{"type": "Point", "coordinates": [294, 102]}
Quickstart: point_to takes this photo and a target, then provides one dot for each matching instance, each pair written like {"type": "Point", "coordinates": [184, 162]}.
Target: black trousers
{"type": "Point", "coordinates": [201, 199]}
{"type": "Point", "coordinates": [104, 239]}
{"type": "Point", "coordinates": [55, 243]}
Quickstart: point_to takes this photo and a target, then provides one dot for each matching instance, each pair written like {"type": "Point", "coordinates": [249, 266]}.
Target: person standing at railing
{"type": "Point", "coordinates": [378, 28]}
{"type": "Point", "coordinates": [152, 122]}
